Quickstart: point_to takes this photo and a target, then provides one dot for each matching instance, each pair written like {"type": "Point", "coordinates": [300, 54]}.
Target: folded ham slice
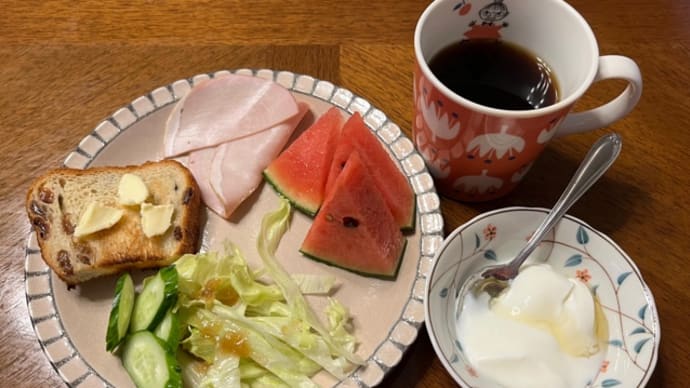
{"type": "Point", "coordinates": [237, 166]}
{"type": "Point", "coordinates": [225, 108]}
{"type": "Point", "coordinates": [199, 163]}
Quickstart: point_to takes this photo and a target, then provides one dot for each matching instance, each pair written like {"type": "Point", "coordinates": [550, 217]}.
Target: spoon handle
{"type": "Point", "coordinates": [599, 158]}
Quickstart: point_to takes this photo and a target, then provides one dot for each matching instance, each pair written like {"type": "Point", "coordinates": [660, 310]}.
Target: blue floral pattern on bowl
{"type": "Point", "coordinates": [574, 249]}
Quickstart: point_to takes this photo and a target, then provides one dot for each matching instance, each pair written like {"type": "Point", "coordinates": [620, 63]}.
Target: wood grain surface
{"type": "Point", "coordinates": [66, 65]}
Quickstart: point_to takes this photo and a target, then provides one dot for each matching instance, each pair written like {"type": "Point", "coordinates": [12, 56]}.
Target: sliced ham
{"type": "Point", "coordinates": [199, 163]}
{"type": "Point", "coordinates": [225, 108]}
{"type": "Point", "coordinates": [237, 166]}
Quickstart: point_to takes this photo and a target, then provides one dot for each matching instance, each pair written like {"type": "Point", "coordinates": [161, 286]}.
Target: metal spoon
{"type": "Point", "coordinates": [599, 158]}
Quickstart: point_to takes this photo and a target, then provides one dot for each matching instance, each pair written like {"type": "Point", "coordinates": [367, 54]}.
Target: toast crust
{"type": "Point", "coordinates": [55, 201]}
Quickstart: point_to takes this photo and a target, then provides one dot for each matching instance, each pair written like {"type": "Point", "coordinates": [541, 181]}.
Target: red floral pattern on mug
{"type": "Point", "coordinates": [474, 156]}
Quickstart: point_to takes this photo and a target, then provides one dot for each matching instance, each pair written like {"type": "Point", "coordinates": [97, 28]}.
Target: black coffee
{"type": "Point", "coordinates": [496, 73]}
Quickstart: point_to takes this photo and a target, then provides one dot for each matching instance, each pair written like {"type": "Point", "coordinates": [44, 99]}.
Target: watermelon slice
{"type": "Point", "coordinates": [301, 171]}
{"type": "Point", "coordinates": [355, 229]}
{"type": "Point", "coordinates": [393, 185]}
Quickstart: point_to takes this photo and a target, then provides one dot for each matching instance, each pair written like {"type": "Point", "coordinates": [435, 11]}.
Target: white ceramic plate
{"type": "Point", "coordinates": [575, 249]}
{"type": "Point", "coordinates": [71, 324]}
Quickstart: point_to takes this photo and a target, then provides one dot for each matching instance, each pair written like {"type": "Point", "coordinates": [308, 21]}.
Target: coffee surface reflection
{"type": "Point", "coordinates": [496, 73]}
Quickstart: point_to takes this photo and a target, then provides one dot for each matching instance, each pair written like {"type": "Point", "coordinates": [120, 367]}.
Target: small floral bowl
{"type": "Point", "coordinates": [574, 249]}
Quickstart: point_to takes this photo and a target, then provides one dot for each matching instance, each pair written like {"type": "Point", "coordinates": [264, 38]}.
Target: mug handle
{"type": "Point", "coordinates": [610, 67]}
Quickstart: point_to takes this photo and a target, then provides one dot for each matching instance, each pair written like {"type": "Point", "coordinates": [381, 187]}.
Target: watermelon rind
{"type": "Point", "coordinates": [299, 173]}
{"type": "Point", "coordinates": [310, 209]}
{"type": "Point", "coordinates": [383, 276]}
{"type": "Point", "coordinates": [410, 225]}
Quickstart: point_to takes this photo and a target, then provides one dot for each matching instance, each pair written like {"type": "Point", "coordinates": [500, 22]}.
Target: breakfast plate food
{"type": "Point", "coordinates": [71, 321]}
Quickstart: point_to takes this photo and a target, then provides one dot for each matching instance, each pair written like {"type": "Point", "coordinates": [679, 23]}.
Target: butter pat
{"type": "Point", "coordinates": [97, 217]}
{"type": "Point", "coordinates": [132, 190]}
{"type": "Point", "coordinates": [155, 219]}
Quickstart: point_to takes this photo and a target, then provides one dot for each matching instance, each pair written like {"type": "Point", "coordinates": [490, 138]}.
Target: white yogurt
{"type": "Point", "coordinates": [545, 330]}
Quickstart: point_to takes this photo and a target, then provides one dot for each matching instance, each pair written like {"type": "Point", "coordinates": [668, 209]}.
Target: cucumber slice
{"type": "Point", "coordinates": [169, 330]}
{"type": "Point", "coordinates": [149, 362]}
{"type": "Point", "coordinates": [157, 296]}
{"type": "Point", "coordinates": [120, 312]}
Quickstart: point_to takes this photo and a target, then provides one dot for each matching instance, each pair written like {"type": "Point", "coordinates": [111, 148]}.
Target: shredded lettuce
{"type": "Point", "coordinates": [314, 284]}
{"type": "Point", "coordinates": [339, 325]}
{"type": "Point", "coordinates": [225, 372]}
{"type": "Point", "coordinates": [273, 226]}
{"type": "Point", "coordinates": [201, 345]}
{"type": "Point", "coordinates": [254, 328]}
{"type": "Point", "coordinates": [193, 369]}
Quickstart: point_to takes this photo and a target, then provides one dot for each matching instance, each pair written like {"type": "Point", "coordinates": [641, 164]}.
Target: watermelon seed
{"type": "Point", "coordinates": [350, 222]}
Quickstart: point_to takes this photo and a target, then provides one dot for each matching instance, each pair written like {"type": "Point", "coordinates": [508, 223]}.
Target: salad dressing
{"type": "Point", "coordinates": [234, 343]}
{"type": "Point", "coordinates": [218, 289]}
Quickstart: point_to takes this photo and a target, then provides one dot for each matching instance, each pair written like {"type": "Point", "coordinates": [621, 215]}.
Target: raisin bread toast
{"type": "Point", "coordinates": [56, 200]}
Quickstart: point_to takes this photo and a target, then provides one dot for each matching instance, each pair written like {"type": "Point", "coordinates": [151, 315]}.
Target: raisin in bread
{"type": "Point", "coordinates": [56, 201]}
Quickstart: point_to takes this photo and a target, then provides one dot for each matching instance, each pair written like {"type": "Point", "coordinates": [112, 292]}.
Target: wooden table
{"type": "Point", "coordinates": [65, 66]}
